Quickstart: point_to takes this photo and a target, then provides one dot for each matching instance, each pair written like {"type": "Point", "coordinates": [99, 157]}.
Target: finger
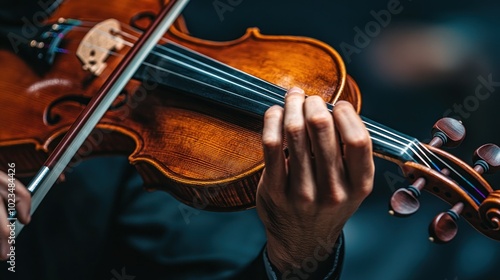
{"type": "Point", "coordinates": [300, 164]}
{"type": "Point", "coordinates": [21, 194]}
{"type": "Point", "coordinates": [358, 156]}
{"type": "Point", "coordinates": [4, 231]}
{"type": "Point", "coordinates": [274, 158]}
{"type": "Point", "coordinates": [23, 203]}
{"type": "Point", "coordinates": [327, 156]}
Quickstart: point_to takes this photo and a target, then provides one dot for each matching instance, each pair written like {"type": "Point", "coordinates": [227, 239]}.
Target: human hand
{"type": "Point", "coordinates": [305, 199]}
{"type": "Point", "coordinates": [23, 205]}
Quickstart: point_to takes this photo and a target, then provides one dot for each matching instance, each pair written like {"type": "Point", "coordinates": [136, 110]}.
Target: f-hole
{"type": "Point", "coordinates": [142, 20]}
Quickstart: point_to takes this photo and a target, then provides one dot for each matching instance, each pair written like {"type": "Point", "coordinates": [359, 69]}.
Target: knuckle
{"type": "Point", "coordinates": [294, 129]}
{"type": "Point", "coordinates": [316, 100]}
{"type": "Point", "coordinates": [338, 199]}
{"type": "Point", "coordinates": [366, 190]}
{"type": "Point", "coordinates": [295, 93]}
{"type": "Point", "coordinates": [304, 199]}
{"type": "Point", "coordinates": [23, 196]}
{"type": "Point", "coordinates": [342, 107]}
{"type": "Point", "coordinates": [271, 141]}
{"type": "Point", "coordinates": [320, 121]}
{"type": "Point", "coordinates": [360, 139]}
{"type": "Point", "coordinates": [274, 112]}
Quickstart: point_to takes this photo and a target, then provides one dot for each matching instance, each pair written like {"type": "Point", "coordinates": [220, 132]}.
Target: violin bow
{"type": "Point", "coordinates": [90, 116]}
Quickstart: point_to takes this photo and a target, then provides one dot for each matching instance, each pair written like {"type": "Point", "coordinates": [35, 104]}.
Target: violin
{"type": "Point", "coordinates": [190, 119]}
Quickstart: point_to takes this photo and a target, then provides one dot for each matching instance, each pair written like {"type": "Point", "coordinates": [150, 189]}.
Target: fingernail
{"type": "Point", "coordinates": [295, 90]}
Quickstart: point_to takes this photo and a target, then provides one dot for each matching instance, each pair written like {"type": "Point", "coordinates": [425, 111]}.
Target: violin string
{"type": "Point", "coordinates": [280, 102]}
{"type": "Point", "coordinates": [168, 58]}
{"type": "Point", "coordinates": [80, 28]}
{"type": "Point", "coordinates": [404, 147]}
{"type": "Point", "coordinates": [388, 144]}
{"type": "Point", "coordinates": [109, 52]}
{"type": "Point", "coordinates": [162, 56]}
{"type": "Point", "coordinates": [130, 44]}
{"type": "Point", "coordinates": [216, 69]}
{"type": "Point", "coordinates": [421, 151]}
{"type": "Point", "coordinates": [199, 70]}
{"type": "Point", "coordinates": [410, 145]}
{"type": "Point", "coordinates": [203, 83]}
{"type": "Point", "coordinates": [81, 22]}
{"type": "Point", "coordinates": [456, 172]}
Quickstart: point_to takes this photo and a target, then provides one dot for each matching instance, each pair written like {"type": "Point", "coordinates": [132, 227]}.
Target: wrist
{"type": "Point", "coordinates": [304, 259]}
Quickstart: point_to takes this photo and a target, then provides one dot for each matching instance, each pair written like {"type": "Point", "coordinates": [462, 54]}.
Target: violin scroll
{"type": "Point", "coordinates": [446, 132]}
{"type": "Point", "coordinates": [454, 181]}
{"type": "Point", "coordinates": [489, 211]}
{"type": "Point", "coordinates": [487, 160]}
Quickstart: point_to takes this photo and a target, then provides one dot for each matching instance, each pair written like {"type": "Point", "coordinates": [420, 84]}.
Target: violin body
{"type": "Point", "coordinates": [205, 154]}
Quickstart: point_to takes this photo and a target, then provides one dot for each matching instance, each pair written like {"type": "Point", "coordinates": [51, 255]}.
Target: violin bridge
{"type": "Point", "coordinates": [97, 44]}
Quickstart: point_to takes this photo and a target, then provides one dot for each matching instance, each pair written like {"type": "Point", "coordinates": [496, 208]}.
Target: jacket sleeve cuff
{"type": "Point", "coordinates": [312, 268]}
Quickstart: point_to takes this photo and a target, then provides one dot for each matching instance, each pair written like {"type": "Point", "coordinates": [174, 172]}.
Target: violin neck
{"type": "Point", "coordinates": [176, 67]}
{"type": "Point", "coordinates": [390, 143]}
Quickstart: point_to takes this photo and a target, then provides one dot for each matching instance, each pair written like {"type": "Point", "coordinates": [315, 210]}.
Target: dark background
{"type": "Point", "coordinates": [380, 246]}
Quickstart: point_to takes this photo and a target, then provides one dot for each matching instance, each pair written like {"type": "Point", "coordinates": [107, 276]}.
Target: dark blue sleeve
{"type": "Point", "coordinates": [329, 269]}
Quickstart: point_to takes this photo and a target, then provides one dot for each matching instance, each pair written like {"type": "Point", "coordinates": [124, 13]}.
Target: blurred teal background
{"type": "Point", "coordinates": [465, 46]}
{"type": "Point", "coordinates": [425, 60]}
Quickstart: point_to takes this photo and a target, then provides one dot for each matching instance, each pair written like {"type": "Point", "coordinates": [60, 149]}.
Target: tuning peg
{"type": "Point", "coordinates": [447, 132]}
{"type": "Point", "coordinates": [487, 159]}
{"type": "Point", "coordinates": [404, 201]}
{"type": "Point", "coordinates": [444, 227]}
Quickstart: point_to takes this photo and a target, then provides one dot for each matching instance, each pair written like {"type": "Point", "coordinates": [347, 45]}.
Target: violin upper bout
{"type": "Point", "coordinates": [348, 88]}
{"type": "Point", "coordinates": [281, 60]}
{"type": "Point", "coordinates": [352, 94]}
